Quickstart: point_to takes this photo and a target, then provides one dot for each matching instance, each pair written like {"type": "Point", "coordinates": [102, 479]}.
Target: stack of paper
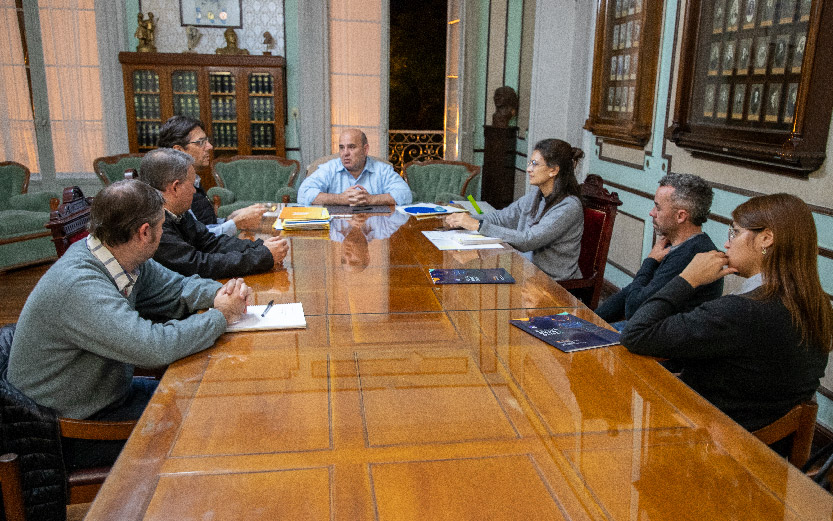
{"type": "Point", "coordinates": [424, 211]}
{"type": "Point", "coordinates": [446, 240]}
{"type": "Point", "coordinates": [303, 218]}
{"type": "Point", "coordinates": [475, 238]}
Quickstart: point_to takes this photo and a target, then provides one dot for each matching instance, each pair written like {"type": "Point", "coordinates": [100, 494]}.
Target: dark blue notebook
{"type": "Point", "coordinates": [471, 276]}
{"type": "Point", "coordinates": [567, 332]}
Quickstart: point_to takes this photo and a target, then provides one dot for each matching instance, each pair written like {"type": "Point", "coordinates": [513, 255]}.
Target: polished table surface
{"type": "Point", "coordinates": [405, 400]}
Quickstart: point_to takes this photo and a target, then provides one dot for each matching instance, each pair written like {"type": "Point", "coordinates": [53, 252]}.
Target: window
{"type": "Point", "coordinates": [17, 124]}
{"type": "Point", "coordinates": [61, 125]}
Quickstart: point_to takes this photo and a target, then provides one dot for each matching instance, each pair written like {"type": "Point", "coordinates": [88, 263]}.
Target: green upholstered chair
{"type": "Point", "coordinates": [437, 181]}
{"type": "Point", "coordinates": [111, 168]}
{"type": "Point", "coordinates": [246, 180]}
{"type": "Point", "coordinates": [23, 238]}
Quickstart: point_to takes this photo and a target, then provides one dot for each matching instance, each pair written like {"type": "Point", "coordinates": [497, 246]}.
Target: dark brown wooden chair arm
{"type": "Point", "coordinates": [577, 283]}
{"type": "Point", "coordinates": [95, 430]}
{"type": "Point", "coordinates": [10, 482]}
{"type": "Point", "coordinates": [801, 423]}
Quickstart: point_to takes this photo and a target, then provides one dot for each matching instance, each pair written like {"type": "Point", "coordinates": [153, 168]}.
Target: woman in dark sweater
{"type": "Point", "coordinates": [757, 353]}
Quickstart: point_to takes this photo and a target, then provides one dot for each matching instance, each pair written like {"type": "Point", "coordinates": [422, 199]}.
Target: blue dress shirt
{"type": "Point", "coordinates": [332, 178]}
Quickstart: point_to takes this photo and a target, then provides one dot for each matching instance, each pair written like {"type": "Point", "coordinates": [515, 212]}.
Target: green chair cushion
{"type": "Point", "coordinates": [21, 222]}
{"type": "Point", "coordinates": [33, 202]}
{"type": "Point", "coordinates": [26, 252]}
{"type": "Point", "coordinates": [473, 189]}
{"type": "Point", "coordinates": [428, 182]}
{"type": "Point", "coordinates": [11, 183]}
{"type": "Point", "coordinates": [252, 179]}
{"type": "Point", "coordinates": [226, 196]}
{"type": "Point", "coordinates": [115, 171]}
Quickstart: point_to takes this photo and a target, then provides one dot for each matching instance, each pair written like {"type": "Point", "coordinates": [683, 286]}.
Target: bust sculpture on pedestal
{"type": "Point", "coordinates": [506, 106]}
{"type": "Point", "coordinates": [231, 44]}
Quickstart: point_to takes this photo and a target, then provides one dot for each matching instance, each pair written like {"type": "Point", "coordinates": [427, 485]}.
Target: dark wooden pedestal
{"type": "Point", "coordinates": [498, 183]}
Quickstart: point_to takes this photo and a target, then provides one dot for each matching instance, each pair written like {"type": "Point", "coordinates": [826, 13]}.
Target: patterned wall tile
{"type": "Point", "coordinates": [258, 16]}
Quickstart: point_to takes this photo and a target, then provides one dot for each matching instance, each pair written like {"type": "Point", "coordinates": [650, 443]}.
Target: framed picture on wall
{"type": "Point", "coordinates": [211, 13]}
{"type": "Point", "coordinates": [753, 85]}
{"type": "Point", "coordinates": [624, 70]}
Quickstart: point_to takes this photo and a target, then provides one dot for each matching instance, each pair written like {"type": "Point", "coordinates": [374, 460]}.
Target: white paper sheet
{"type": "Point", "coordinates": [444, 240]}
{"type": "Point", "coordinates": [280, 316]}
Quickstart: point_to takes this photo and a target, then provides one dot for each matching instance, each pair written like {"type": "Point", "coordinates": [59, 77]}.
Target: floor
{"type": "Point", "coordinates": [15, 286]}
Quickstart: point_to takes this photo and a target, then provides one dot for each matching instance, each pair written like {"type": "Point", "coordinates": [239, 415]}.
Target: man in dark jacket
{"type": "Point", "coordinates": [187, 246]}
{"type": "Point", "coordinates": [681, 206]}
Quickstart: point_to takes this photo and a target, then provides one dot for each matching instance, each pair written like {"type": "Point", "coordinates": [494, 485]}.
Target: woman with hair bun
{"type": "Point", "coordinates": [546, 223]}
{"type": "Point", "coordinates": [759, 352]}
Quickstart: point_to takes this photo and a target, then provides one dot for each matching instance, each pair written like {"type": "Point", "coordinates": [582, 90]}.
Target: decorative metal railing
{"type": "Point", "coordinates": [414, 145]}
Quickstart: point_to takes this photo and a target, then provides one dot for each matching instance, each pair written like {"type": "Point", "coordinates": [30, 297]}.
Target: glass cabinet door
{"type": "Point", "coordinates": [262, 112]}
{"type": "Point", "coordinates": [186, 97]}
{"type": "Point", "coordinates": [147, 106]}
{"type": "Point", "coordinates": [223, 111]}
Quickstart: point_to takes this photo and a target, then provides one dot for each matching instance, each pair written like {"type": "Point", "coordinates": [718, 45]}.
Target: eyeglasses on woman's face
{"type": "Point", "coordinates": [201, 142]}
{"type": "Point", "coordinates": [533, 163]}
{"type": "Point", "coordinates": [734, 232]}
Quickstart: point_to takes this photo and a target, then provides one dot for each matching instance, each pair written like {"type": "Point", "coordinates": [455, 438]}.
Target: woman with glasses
{"type": "Point", "coordinates": [546, 224]}
{"type": "Point", "coordinates": [757, 353]}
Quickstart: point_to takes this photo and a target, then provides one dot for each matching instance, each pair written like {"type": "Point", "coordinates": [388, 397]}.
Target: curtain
{"type": "Point", "coordinates": [73, 83]}
{"type": "Point", "coordinates": [17, 127]}
{"type": "Point", "coordinates": [80, 40]}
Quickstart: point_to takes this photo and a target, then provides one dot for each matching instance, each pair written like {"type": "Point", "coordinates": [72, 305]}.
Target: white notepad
{"type": "Point", "coordinates": [280, 316]}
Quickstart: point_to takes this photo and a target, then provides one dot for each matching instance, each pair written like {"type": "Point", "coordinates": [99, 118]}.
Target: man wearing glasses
{"type": "Point", "coordinates": [188, 135]}
{"type": "Point", "coordinates": [681, 206]}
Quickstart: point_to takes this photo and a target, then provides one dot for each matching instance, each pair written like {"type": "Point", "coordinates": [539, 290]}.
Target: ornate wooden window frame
{"type": "Point", "coordinates": [785, 129]}
{"type": "Point", "coordinates": [622, 96]}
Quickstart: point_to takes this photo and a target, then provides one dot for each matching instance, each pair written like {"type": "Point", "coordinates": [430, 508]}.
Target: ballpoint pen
{"type": "Point", "coordinates": [268, 307]}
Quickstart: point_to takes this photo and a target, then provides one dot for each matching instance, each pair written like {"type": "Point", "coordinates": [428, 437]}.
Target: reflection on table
{"type": "Point", "coordinates": [405, 400]}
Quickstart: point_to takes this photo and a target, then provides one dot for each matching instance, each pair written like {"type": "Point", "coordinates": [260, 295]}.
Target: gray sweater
{"type": "Point", "coordinates": [554, 238]}
{"type": "Point", "coordinates": [78, 337]}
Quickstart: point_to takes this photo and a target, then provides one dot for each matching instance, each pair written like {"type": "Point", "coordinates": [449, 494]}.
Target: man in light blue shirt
{"type": "Point", "coordinates": [353, 178]}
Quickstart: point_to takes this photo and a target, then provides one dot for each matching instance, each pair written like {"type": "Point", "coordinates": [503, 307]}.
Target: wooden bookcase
{"type": "Point", "coordinates": [240, 99]}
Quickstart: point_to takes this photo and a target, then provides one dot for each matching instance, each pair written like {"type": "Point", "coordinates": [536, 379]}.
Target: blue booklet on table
{"type": "Point", "coordinates": [471, 276]}
{"type": "Point", "coordinates": [567, 332]}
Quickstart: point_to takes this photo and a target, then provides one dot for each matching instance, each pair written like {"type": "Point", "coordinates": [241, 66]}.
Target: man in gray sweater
{"type": "Point", "coordinates": [105, 307]}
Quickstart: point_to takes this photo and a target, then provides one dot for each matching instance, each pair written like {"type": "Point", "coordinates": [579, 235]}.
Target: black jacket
{"type": "Point", "coordinates": [653, 275]}
{"type": "Point", "coordinates": [31, 432]}
{"type": "Point", "coordinates": [739, 352]}
{"type": "Point", "coordinates": [202, 207]}
{"type": "Point", "coordinates": [187, 247]}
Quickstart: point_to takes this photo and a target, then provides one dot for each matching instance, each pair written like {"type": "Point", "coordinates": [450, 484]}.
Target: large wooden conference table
{"type": "Point", "coordinates": [405, 400]}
